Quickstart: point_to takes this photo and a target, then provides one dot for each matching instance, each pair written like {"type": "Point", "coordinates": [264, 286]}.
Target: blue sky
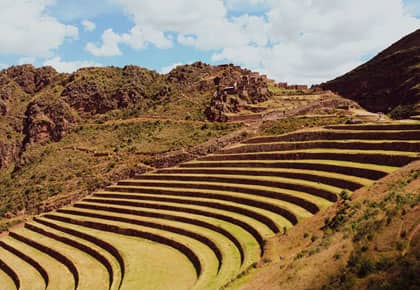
{"type": "Point", "coordinates": [300, 41]}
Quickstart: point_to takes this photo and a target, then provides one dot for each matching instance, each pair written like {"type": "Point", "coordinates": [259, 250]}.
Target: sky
{"type": "Point", "coordinates": [298, 41]}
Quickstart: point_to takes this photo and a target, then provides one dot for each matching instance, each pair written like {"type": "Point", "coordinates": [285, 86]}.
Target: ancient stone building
{"type": "Point", "coordinates": [234, 91]}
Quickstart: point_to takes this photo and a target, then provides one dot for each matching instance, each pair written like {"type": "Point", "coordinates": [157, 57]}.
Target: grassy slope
{"type": "Point", "coordinates": [369, 241]}
{"type": "Point", "coordinates": [71, 167]}
{"type": "Point", "coordinates": [283, 126]}
{"type": "Point", "coordinates": [123, 100]}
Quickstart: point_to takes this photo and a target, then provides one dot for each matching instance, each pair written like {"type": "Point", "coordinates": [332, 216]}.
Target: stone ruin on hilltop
{"type": "Point", "coordinates": [234, 90]}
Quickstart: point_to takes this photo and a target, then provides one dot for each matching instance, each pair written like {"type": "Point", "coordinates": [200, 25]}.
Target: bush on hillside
{"type": "Point", "coordinates": [402, 112]}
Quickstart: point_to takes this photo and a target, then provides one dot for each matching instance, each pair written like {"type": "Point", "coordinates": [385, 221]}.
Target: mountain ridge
{"type": "Point", "coordinates": [389, 80]}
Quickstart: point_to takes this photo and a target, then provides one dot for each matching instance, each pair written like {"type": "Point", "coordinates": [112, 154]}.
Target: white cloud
{"type": "Point", "coordinates": [88, 25]}
{"type": "Point", "coordinates": [72, 10]}
{"type": "Point", "coordinates": [109, 46]}
{"type": "Point", "coordinates": [136, 38]}
{"type": "Point", "coordinates": [27, 29]}
{"type": "Point", "coordinates": [247, 5]}
{"type": "Point", "coordinates": [314, 41]}
{"type": "Point", "coordinates": [202, 24]}
{"type": "Point", "coordinates": [305, 41]}
{"type": "Point", "coordinates": [68, 66]}
{"type": "Point", "coordinates": [27, 60]}
{"type": "Point", "coordinates": [167, 69]}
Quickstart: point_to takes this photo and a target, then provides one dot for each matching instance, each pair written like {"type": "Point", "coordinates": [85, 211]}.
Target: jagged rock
{"type": "Point", "coordinates": [8, 153]}
{"type": "Point", "coordinates": [48, 118]}
{"type": "Point", "coordinates": [31, 79]}
{"type": "Point", "coordinates": [235, 89]}
{"type": "Point", "coordinates": [3, 108]}
{"type": "Point", "coordinates": [99, 90]}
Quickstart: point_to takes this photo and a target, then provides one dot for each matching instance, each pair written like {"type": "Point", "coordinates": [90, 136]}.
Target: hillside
{"type": "Point", "coordinates": [367, 241]}
{"type": "Point", "coordinates": [389, 81]}
{"type": "Point", "coordinates": [104, 120]}
{"type": "Point", "coordinates": [39, 104]}
{"type": "Point", "coordinates": [196, 180]}
{"type": "Point", "coordinates": [62, 136]}
{"type": "Point", "coordinates": [219, 220]}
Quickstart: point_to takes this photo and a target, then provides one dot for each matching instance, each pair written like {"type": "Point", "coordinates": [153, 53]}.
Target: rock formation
{"type": "Point", "coordinates": [236, 88]}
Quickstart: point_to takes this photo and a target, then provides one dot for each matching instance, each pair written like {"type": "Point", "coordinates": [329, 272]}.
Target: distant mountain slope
{"type": "Point", "coordinates": [390, 79]}
{"type": "Point", "coordinates": [108, 121]}
{"type": "Point", "coordinates": [39, 104]}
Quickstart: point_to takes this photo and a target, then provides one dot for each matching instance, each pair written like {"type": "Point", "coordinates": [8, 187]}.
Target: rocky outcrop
{"type": "Point", "coordinates": [39, 105]}
{"type": "Point", "coordinates": [9, 152]}
{"type": "Point", "coordinates": [236, 88]}
{"type": "Point", "coordinates": [98, 90]}
{"type": "Point", "coordinates": [48, 118]}
{"type": "Point", "coordinates": [31, 79]}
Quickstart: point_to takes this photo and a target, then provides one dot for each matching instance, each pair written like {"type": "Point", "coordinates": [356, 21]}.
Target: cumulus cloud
{"type": "Point", "coordinates": [305, 41]}
{"type": "Point", "coordinates": [136, 38]}
{"type": "Point", "coordinates": [109, 46]}
{"type": "Point", "coordinates": [296, 40]}
{"type": "Point", "coordinates": [167, 69]}
{"type": "Point", "coordinates": [202, 24]}
{"type": "Point", "coordinates": [27, 60]}
{"type": "Point", "coordinates": [313, 41]}
{"type": "Point", "coordinates": [68, 66]}
{"type": "Point", "coordinates": [88, 25]}
{"type": "Point", "coordinates": [247, 5]}
{"type": "Point", "coordinates": [27, 29]}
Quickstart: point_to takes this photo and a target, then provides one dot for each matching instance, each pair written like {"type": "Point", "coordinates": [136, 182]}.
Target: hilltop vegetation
{"type": "Point", "coordinates": [389, 82]}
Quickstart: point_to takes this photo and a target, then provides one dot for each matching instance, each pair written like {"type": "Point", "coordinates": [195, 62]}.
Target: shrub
{"type": "Point", "coordinates": [402, 112]}
{"type": "Point", "coordinates": [362, 265]}
{"type": "Point", "coordinates": [345, 195]}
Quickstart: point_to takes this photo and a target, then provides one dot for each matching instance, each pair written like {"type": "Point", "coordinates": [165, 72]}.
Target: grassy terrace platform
{"type": "Point", "coordinates": [328, 178]}
{"type": "Point", "coordinates": [58, 274]}
{"type": "Point", "coordinates": [252, 225]}
{"type": "Point", "coordinates": [6, 280]}
{"type": "Point", "coordinates": [406, 145]}
{"type": "Point", "coordinates": [247, 244]}
{"type": "Point", "coordinates": [166, 267]}
{"type": "Point", "coordinates": [270, 219]}
{"type": "Point", "coordinates": [324, 134]}
{"type": "Point", "coordinates": [364, 170]}
{"type": "Point", "coordinates": [29, 277]}
{"type": "Point", "coordinates": [201, 224]}
{"type": "Point", "coordinates": [209, 271]}
{"type": "Point", "coordinates": [387, 126]}
{"type": "Point", "coordinates": [379, 157]}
